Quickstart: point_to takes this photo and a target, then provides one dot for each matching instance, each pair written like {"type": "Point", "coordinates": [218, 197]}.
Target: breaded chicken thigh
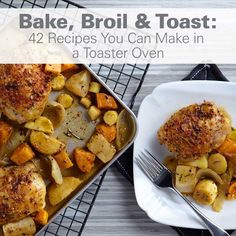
{"type": "Point", "coordinates": [24, 91]}
{"type": "Point", "coordinates": [195, 130]}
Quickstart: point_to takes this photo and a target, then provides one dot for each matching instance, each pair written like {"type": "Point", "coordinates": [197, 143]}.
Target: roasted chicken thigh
{"type": "Point", "coordinates": [24, 91]}
{"type": "Point", "coordinates": [195, 130]}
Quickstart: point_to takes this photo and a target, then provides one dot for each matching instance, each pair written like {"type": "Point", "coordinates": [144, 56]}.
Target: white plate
{"type": "Point", "coordinates": [163, 205]}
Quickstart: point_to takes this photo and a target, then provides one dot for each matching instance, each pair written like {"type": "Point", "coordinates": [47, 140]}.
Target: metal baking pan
{"type": "Point", "coordinates": [99, 168]}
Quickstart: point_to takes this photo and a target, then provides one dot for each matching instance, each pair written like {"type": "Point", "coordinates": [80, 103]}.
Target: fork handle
{"type": "Point", "coordinates": [213, 228]}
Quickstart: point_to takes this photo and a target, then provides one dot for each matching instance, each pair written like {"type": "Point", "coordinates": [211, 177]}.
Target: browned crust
{"type": "Point", "coordinates": [193, 130]}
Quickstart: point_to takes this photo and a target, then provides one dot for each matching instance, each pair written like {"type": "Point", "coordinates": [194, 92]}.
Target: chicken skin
{"type": "Point", "coordinates": [24, 91]}
{"type": "Point", "coordinates": [195, 130]}
{"type": "Point", "coordinates": [22, 192]}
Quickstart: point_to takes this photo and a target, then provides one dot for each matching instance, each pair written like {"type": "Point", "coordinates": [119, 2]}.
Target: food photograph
{"type": "Point", "coordinates": [121, 149]}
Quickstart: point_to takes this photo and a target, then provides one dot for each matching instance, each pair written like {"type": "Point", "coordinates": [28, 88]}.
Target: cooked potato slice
{"type": "Point", "coordinates": [41, 124]}
{"type": "Point", "coordinates": [57, 193]}
{"type": "Point", "coordinates": [94, 87]}
{"type": "Point", "coordinates": [201, 162]}
{"type": "Point", "coordinates": [109, 132]}
{"type": "Point", "coordinates": [101, 147]}
{"type": "Point", "coordinates": [6, 131]}
{"type": "Point", "coordinates": [22, 154]}
{"type": "Point", "coordinates": [86, 102]}
{"type": "Point", "coordinates": [84, 160]}
{"type": "Point", "coordinates": [45, 144]}
{"type": "Point", "coordinates": [41, 217]}
{"type": "Point", "coordinates": [65, 100]}
{"type": "Point", "coordinates": [94, 112]}
{"type": "Point", "coordinates": [58, 82]}
{"type": "Point", "coordinates": [53, 68]}
{"type": "Point", "coordinates": [218, 163]}
{"type": "Point", "coordinates": [110, 117]}
{"type": "Point", "coordinates": [171, 163]}
{"type": "Point", "coordinates": [24, 227]}
{"type": "Point", "coordinates": [79, 83]}
{"type": "Point", "coordinates": [185, 178]}
{"type": "Point", "coordinates": [63, 160]}
{"type": "Point", "coordinates": [55, 171]}
{"type": "Point", "coordinates": [205, 192]}
{"type": "Point", "coordinates": [55, 112]}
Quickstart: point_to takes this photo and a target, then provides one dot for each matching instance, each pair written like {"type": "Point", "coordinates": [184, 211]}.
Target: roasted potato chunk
{"type": "Point", "coordinates": [101, 147]}
{"type": "Point", "coordinates": [6, 131]}
{"type": "Point", "coordinates": [22, 154]}
{"type": "Point", "coordinates": [94, 87]}
{"type": "Point", "coordinates": [218, 163]}
{"type": "Point", "coordinates": [57, 193]}
{"type": "Point", "coordinates": [45, 144]}
{"type": "Point", "coordinates": [110, 117]}
{"type": "Point", "coordinates": [65, 100]}
{"type": "Point", "coordinates": [41, 124]}
{"type": "Point", "coordinates": [84, 160]}
{"type": "Point", "coordinates": [58, 82]}
{"type": "Point", "coordinates": [79, 83]}
{"type": "Point", "coordinates": [86, 102]}
{"type": "Point", "coordinates": [205, 192]}
{"type": "Point", "coordinates": [53, 68]}
{"type": "Point", "coordinates": [24, 227]}
{"type": "Point", "coordinates": [94, 112]}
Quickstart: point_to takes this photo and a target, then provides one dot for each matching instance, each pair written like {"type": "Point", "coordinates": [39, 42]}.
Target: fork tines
{"type": "Point", "coordinates": [149, 164]}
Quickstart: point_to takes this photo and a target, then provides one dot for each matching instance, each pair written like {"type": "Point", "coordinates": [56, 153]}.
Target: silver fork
{"type": "Point", "coordinates": [163, 178]}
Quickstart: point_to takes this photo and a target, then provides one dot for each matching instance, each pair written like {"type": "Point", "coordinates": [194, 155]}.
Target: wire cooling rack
{"type": "Point", "coordinates": [125, 80]}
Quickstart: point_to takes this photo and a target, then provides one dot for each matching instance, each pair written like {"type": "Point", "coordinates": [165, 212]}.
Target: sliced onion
{"type": "Point", "coordinates": [208, 174]}
{"type": "Point", "coordinates": [55, 171]}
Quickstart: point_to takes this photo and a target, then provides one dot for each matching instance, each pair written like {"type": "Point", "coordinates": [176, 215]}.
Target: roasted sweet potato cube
{"type": "Point", "coordinates": [65, 67]}
{"type": "Point", "coordinates": [5, 133]}
{"type": "Point", "coordinates": [109, 132]}
{"type": "Point", "coordinates": [63, 160]}
{"type": "Point", "coordinates": [84, 160]}
{"type": "Point", "coordinates": [105, 101]}
{"type": "Point", "coordinates": [22, 154]}
{"type": "Point", "coordinates": [41, 217]}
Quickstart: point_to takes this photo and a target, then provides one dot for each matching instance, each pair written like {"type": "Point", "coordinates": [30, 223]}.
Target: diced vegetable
{"type": "Point", "coordinates": [53, 68]}
{"type": "Point", "coordinates": [110, 117]}
{"type": "Point", "coordinates": [22, 154]}
{"type": "Point", "coordinates": [55, 112]}
{"type": "Point", "coordinates": [41, 124]}
{"type": "Point", "coordinates": [58, 82]}
{"type": "Point", "coordinates": [45, 144]}
{"type": "Point", "coordinates": [6, 131]}
{"type": "Point", "coordinates": [55, 171]}
{"type": "Point", "coordinates": [228, 148]}
{"type": "Point", "coordinates": [232, 136]}
{"type": "Point", "coordinates": [232, 191]}
{"type": "Point", "coordinates": [57, 193]}
{"type": "Point", "coordinates": [105, 101]}
{"type": "Point", "coordinates": [94, 112]}
{"type": "Point", "coordinates": [101, 147]}
{"type": "Point", "coordinates": [205, 192]}
{"type": "Point", "coordinates": [185, 178]}
{"type": "Point", "coordinates": [201, 162]}
{"type": "Point", "coordinates": [63, 160]}
{"type": "Point", "coordinates": [218, 163]}
{"type": "Point", "coordinates": [109, 132]}
{"type": "Point", "coordinates": [65, 67]}
{"type": "Point", "coordinates": [41, 217]}
{"type": "Point", "coordinates": [24, 227]}
{"type": "Point", "coordinates": [79, 83]}
{"type": "Point", "coordinates": [171, 163]}
{"type": "Point", "coordinates": [94, 87]}
{"type": "Point", "coordinates": [86, 102]}
{"type": "Point", "coordinates": [208, 174]}
{"type": "Point", "coordinates": [65, 100]}
{"type": "Point", "coordinates": [84, 160]}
